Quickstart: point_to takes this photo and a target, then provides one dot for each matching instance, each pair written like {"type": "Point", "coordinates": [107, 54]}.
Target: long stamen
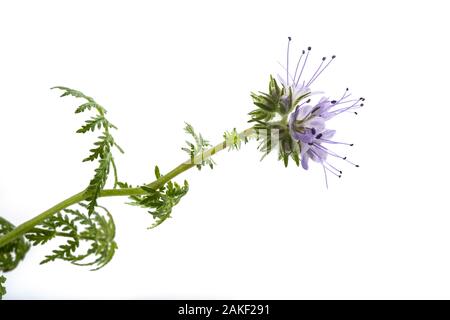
{"type": "Point", "coordinates": [298, 63]}
{"type": "Point", "coordinates": [338, 102]}
{"type": "Point", "coordinates": [326, 178]}
{"type": "Point", "coordinates": [353, 106]}
{"type": "Point", "coordinates": [287, 61]}
{"type": "Point", "coordinates": [328, 151]}
{"type": "Point", "coordinates": [344, 96]}
{"type": "Point", "coordinates": [303, 67]}
{"type": "Point", "coordinates": [321, 63]}
{"type": "Point", "coordinates": [284, 68]}
{"type": "Point", "coordinates": [314, 78]}
{"type": "Point", "coordinates": [329, 170]}
{"type": "Point", "coordinates": [354, 164]}
{"type": "Point", "coordinates": [334, 168]}
{"type": "Point", "coordinates": [328, 166]}
{"type": "Point", "coordinates": [318, 137]}
{"type": "Point", "coordinates": [331, 153]}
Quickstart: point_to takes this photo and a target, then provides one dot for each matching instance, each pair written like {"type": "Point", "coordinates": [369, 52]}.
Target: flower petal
{"type": "Point", "coordinates": [304, 111]}
{"type": "Point", "coordinates": [304, 147]}
{"type": "Point", "coordinates": [317, 154]}
{"type": "Point", "coordinates": [305, 159]}
{"type": "Point", "coordinates": [317, 123]}
{"type": "Point", "coordinates": [328, 134]}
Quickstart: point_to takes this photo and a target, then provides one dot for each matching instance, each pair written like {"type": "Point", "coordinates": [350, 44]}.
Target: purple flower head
{"type": "Point", "coordinates": [301, 131]}
{"type": "Point", "coordinates": [307, 126]}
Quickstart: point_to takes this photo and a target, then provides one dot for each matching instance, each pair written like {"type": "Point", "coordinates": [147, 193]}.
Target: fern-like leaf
{"type": "Point", "coordinates": [102, 150]}
{"type": "Point", "coordinates": [161, 201]}
{"type": "Point", "coordinates": [97, 230]}
{"type": "Point", "coordinates": [98, 182]}
{"type": "Point", "coordinates": [13, 252]}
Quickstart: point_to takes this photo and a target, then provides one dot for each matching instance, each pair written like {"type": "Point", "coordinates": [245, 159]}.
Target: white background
{"type": "Point", "coordinates": [247, 229]}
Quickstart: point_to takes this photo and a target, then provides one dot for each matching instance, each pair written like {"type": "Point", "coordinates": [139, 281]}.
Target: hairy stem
{"type": "Point", "coordinates": [81, 196]}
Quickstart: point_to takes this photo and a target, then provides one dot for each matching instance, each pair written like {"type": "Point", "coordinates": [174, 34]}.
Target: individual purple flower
{"type": "Point", "coordinates": [307, 126]}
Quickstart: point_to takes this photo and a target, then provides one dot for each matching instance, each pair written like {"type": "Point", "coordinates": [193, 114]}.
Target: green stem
{"type": "Point", "coordinates": [81, 196]}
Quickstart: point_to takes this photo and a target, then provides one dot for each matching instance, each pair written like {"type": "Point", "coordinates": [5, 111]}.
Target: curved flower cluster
{"type": "Point", "coordinates": [301, 125]}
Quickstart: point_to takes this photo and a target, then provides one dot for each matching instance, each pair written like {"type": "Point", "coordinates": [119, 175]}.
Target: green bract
{"type": "Point", "coordinates": [271, 121]}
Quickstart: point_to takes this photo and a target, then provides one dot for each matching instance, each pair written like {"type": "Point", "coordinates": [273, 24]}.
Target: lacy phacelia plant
{"type": "Point", "coordinates": [285, 120]}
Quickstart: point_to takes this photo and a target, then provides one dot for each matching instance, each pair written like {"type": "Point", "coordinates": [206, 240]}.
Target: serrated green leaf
{"type": "Point", "coordinates": [98, 182]}
{"type": "Point", "coordinates": [161, 201]}
{"type": "Point", "coordinates": [98, 230]}
{"type": "Point", "coordinates": [86, 106]}
{"type": "Point", "coordinates": [102, 150]}
{"type": "Point", "coordinates": [94, 123]}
